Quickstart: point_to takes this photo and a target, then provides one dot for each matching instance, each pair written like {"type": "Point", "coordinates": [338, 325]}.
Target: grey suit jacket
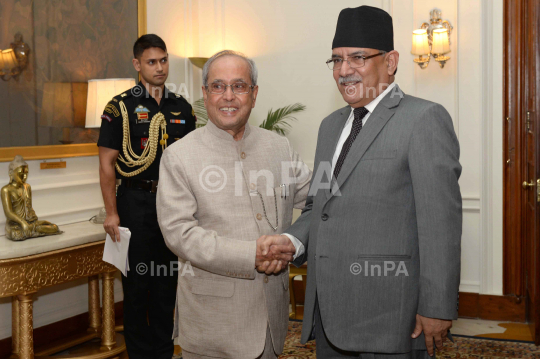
{"type": "Point", "coordinates": [211, 215]}
{"type": "Point", "coordinates": [387, 245]}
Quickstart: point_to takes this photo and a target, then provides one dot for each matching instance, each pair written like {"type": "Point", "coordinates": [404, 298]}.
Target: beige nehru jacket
{"type": "Point", "coordinates": [214, 198]}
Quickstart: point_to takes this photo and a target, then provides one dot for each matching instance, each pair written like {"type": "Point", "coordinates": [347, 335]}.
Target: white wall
{"type": "Point", "coordinates": [290, 41]}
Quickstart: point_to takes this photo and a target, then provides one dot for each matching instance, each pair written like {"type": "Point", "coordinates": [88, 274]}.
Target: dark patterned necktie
{"type": "Point", "coordinates": [359, 114]}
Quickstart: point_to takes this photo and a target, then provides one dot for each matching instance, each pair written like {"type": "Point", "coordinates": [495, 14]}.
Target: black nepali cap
{"type": "Point", "coordinates": [366, 27]}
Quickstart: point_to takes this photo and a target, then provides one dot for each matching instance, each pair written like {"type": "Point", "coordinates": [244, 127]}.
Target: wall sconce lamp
{"type": "Point", "coordinates": [14, 60]}
{"type": "Point", "coordinates": [198, 61]}
{"type": "Point", "coordinates": [432, 39]}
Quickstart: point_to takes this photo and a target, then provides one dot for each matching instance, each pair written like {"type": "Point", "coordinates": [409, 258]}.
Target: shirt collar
{"type": "Point", "coordinates": [373, 104]}
{"type": "Point", "coordinates": [218, 132]}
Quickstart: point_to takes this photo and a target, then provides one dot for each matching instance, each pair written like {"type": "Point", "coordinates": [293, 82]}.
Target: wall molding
{"type": "Point", "coordinates": [43, 183]}
{"type": "Point", "coordinates": [72, 210]}
{"type": "Point", "coordinates": [65, 184]}
{"type": "Point", "coordinates": [456, 32]}
{"type": "Point", "coordinates": [486, 211]}
{"type": "Point", "coordinates": [470, 286]}
{"type": "Point", "coordinates": [471, 204]}
{"type": "Point", "coordinates": [72, 215]}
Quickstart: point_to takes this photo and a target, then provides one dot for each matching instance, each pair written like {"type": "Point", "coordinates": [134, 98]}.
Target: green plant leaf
{"type": "Point", "coordinates": [279, 120]}
{"type": "Point", "coordinates": [200, 112]}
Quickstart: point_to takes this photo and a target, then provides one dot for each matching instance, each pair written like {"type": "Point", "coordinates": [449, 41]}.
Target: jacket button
{"type": "Point", "coordinates": [259, 216]}
{"type": "Point", "coordinates": [266, 279]}
{"type": "Point", "coordinates": [324, 217]}
{"type": "Point", "coordinates": [243, 155]}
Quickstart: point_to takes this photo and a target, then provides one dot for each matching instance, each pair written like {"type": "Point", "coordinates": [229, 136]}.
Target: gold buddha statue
{"type": "Point", "coordinates": [21, 220]}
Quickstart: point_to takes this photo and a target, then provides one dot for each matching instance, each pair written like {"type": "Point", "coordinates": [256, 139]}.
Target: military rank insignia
{"type": "Point", "coordinates": [142, 114]}
{"type": "Point", "coordinates": [176, 113]}
{"type": "Point", "coordinates": [179, 121]}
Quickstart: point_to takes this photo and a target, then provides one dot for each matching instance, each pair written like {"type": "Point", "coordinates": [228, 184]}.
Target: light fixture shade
{"type": "Point", "coordinates": [9, 61]}
{"type": "Point", "coordinates": [420, 45]}
{"type": "Point", "coordinates": [63, 104]}
{"type": "Point", "coordinates": [100, 92]}
{"type": "Point", "coordinates": [441, 44]}
{"type": "Point", "coordinates": [198, 61]}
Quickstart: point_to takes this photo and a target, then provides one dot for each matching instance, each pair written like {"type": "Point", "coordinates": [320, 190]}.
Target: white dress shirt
{"type": "Point", "coordinates": [344, 134]}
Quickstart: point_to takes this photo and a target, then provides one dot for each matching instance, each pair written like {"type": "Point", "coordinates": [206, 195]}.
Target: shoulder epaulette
{"type": "Point", "coordinates": [122, 96]}
{"type": "Point", "coordinates": [180, 97]}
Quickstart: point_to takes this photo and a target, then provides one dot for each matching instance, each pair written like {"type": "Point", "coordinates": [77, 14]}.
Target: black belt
{"type": "Point", "coordinates": [145, 185]}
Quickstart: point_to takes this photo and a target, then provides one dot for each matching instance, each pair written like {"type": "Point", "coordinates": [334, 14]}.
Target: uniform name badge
{"type": "Point", "coordinates": [142, 114]}
{"type": "Point", "coordinates": [142, 118]}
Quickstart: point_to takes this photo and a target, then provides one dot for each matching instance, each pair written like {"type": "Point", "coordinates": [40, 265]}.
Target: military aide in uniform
{"type": "Point", "coordinates": [137, 126]}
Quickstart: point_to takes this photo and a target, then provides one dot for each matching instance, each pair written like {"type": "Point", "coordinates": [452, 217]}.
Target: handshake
{"type": "Point", "coordinates": [273, 253]}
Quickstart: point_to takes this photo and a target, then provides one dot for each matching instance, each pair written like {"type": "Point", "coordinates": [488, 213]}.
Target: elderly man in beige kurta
{"type": "Point", "coordinates": [219, 192]}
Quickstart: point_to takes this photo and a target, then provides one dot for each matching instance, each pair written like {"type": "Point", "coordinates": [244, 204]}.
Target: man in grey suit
{"type": "Point", "coordinates": [382, 239]}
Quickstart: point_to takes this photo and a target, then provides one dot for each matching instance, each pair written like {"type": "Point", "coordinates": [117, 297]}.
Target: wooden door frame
{"type": "Point", "coordinates": [513, 82]}
{"type": "Point", "coordinates": [517, 56]}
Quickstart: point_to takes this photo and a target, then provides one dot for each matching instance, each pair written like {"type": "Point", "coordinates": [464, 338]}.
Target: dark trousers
{"type": "Point", "coordinates": [150, 286]}
{"type": "Point", "coordinates": [326, 350]}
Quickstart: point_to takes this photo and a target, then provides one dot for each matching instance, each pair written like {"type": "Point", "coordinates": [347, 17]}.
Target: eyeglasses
{"type": "Point", "coordinates": [353, 61]}
{"type": "Point", "coordinates": [238, 88]}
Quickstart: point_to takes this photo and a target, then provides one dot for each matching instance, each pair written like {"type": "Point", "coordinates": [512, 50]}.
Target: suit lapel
{"type": "Point", "coordinates": [375, 123]}
{"type": "Point", "coordinates": [332, 140]}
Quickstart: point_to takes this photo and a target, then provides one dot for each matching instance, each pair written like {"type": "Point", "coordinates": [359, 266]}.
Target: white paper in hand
{"type": "Point", "coordinates": [116, 253]}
